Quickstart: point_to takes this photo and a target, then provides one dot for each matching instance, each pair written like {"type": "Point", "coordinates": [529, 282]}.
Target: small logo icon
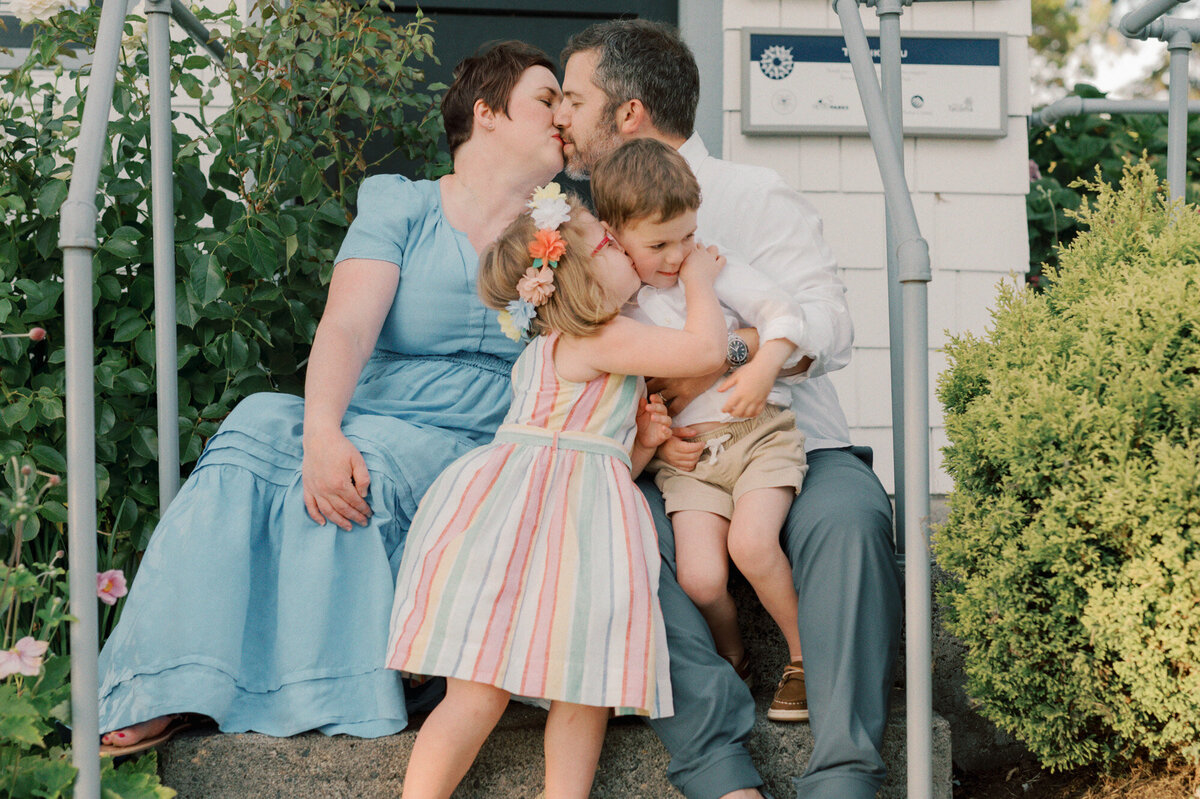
{"type": "Point", "coordinates": [827, 103]}
{"type": "Point", "coordinates": [783, 101]}
{"type": "Point", "coordinates": [776, 62]}
{"type": "Point", "coordinates": [917, 101]}
{"type": "Point", "coordinates": [965, 105]}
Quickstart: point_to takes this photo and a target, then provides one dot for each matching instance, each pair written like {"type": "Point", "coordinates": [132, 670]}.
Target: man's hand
{"type": "Point", "coordinates": [683, 455]}
{"type": "Point", "coordinates": [335, 480]}
{"type": "Point", "coordinates": [678, 392]}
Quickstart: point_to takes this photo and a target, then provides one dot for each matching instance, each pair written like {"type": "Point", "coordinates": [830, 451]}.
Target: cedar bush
{"type": "Point", "coordinates": [1072, 150]}
{"type": "Point", "coordinates": [1074, 528]}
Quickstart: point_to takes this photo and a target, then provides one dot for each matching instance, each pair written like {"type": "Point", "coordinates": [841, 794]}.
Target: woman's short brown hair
{"type": "Point", "coordinates": [579, 305]}
{"type": "Point", "coordinates": [489, 75]}
{"type": "Point", "coordinates": [643, 179]}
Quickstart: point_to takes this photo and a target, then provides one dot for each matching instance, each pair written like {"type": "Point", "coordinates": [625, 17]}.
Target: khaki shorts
{"type": "Point", "coordinates": [764, 452]}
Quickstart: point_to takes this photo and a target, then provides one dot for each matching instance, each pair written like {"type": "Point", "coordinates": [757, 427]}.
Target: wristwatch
{"type": "Point", "coordinates": [736, 351]}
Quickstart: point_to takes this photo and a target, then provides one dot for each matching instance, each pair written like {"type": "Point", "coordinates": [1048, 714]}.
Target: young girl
{"type": "Point", "coordinates": [532, 564]}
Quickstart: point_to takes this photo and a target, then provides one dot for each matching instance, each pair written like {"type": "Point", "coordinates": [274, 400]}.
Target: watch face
{"type": "Point", "coordinates": [737, 353]}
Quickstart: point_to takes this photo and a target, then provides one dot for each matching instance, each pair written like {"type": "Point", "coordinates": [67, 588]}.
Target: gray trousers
{"type": "Point", "coordinates": [838, 537]}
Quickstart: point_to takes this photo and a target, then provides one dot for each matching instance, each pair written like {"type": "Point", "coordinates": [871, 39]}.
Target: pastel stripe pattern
{"type": "Point", "coordinates": [532, 562]}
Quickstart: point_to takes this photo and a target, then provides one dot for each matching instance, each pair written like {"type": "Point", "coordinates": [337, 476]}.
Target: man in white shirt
{"type": "Point", "coordinates": [632, 78]}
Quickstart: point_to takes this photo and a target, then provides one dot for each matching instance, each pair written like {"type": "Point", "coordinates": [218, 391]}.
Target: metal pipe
{"type": "Point", "coordinates": [77, 238]}
{"type": "Point", "coordinates": [889, 12]}
{"type": "Point", "coordinates": [162, 190]}
{"type": "Point", "coordinates": [1180, 47]}
{"type": "Point", "coordinates": [913, 257]}
{"type": "Point", "coordinates": [195, 28]}
{"type": "Point", "coordinates": [1132, 24]}
{"type": "Point", "coordinates": [1078, 106]}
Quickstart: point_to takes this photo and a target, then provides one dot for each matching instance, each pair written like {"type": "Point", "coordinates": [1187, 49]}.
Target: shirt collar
{"type": "Point", "coordinates": [693, 151]}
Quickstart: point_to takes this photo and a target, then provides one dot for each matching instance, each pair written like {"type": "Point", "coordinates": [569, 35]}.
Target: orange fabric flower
{"type": "Point", "coordinates": [547, 245]}
{"type": "Point", "coordinates": [537, 285]}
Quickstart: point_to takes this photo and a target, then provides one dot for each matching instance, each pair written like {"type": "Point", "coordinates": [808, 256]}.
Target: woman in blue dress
{"type": "Point", "coordinates": [263, 598]}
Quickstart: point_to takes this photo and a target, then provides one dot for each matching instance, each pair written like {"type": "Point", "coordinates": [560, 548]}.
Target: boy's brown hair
{"type": "Point", "coordinates": [579, 305]}
{"type": "Point", "coordinates": [643, 179]}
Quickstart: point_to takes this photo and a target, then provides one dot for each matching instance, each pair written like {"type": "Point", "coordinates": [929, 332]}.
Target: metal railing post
{"type": "Point", "coordinates": [1133, 23]}
{"type": "Point", "coordinates": [889, 12]}
{"type": "Point", "coordinates": [1180, 48]}
{"type": "Point", "coordinates": [162, 189]}
{"type": "Point", "coordinates": [912, 254]}
{"type": "Point", "coordinates": [77, 239]}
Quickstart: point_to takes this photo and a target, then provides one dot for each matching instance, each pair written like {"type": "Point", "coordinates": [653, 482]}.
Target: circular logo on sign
{"type": "Point", "coordinates": [917, 101]}
{"type": "Point", "coordinates": [776, 62]}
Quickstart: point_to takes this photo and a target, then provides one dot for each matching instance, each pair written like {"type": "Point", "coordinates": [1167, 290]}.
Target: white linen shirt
{"type": "Point", "coordinates": [748, 299]}
{"type": "Point", "coordinates": [753, 212]}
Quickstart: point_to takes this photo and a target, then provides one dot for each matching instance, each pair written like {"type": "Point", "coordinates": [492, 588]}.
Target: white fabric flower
{"type": "Point", "coordinates": [38, 10]}
{"type": "Point", "coordinates": [549, 207]}
{"type": "Point", "coordinates": [549, 214]}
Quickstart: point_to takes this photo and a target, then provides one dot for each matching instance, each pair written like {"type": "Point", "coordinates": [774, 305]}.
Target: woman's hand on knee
{"type": "Point", "coordinates": [335, 481]}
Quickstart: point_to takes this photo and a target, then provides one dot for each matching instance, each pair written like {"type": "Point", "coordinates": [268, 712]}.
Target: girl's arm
{"type": "Point", "coordinates": [334, 473]}
{"type": "Point", "coordinates": [627, 347]}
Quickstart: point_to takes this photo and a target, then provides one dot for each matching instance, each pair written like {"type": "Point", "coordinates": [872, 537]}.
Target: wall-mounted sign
{"type": "Point", "coordinates": [801, 81]}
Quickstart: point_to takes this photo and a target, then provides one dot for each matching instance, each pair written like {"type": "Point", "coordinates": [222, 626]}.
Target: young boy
{"type": "Point", "coordinates": [731, 504]}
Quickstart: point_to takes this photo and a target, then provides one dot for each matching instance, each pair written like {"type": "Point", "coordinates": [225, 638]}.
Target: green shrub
{"type": "Point", "coordinates": [1072, 150]}
{"type": "Point", "coordinates": [35, 696]}
{"type": "Point", "coordinates": [1074, 529]}
{"type": "Point", "coordinates": [263, 193]}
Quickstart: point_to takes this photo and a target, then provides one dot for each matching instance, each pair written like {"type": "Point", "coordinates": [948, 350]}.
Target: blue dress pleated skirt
{"type": "Point", "coordinates": [246, 610]}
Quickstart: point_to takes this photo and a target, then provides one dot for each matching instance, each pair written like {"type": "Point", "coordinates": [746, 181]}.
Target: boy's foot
{"type": "Point", "coordinates": [791, 700]}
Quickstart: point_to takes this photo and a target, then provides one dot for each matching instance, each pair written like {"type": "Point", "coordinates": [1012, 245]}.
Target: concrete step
{"type": "Point", "coordinates": [633, 763]}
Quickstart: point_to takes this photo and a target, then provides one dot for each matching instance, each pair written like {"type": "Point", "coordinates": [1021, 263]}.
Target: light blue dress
{"type": "Point", "coordinates": [246, 610]}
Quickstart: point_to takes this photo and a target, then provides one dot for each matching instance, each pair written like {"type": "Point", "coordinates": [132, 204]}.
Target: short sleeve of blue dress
{"type": "Point", "coordinates": [441, 366]}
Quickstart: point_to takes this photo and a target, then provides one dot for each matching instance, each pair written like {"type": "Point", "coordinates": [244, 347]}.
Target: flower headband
{"type": "Point", "coordinates": [549, 210]}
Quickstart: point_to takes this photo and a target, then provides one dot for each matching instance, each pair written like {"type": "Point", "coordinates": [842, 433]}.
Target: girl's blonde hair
{"type": "Point", "coordinates": [579, 305]}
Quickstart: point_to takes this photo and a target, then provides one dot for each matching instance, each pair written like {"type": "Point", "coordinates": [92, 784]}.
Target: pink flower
{"type": "Point", "coordinates": [37, 334]}
{"type": "Point", "coordinates": [110, 586]}
{"type": "Point", "coordinates": [537, 285]}
{"type": "Point", "coordinates": [24, 658]}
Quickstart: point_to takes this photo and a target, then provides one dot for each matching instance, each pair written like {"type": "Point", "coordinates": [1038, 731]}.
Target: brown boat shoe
{"type": "Point", "coordinates": [791, 700]}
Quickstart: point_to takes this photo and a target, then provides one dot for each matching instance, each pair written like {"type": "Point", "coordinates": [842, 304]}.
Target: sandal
{"type": "Point", "coordinates": [178, 723]}
{"type": "Point", "coordinates": [742, 667]}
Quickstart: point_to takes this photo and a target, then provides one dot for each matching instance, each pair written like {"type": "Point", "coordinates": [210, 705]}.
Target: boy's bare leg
{"type": "Point", "coordinates": [451, 737]}
{"type": "Point", "coordinates": [574, 737]}
{"type": "Point", "coordinates": [754, 548]}
{"type": "Point", "coordinates": [702, 565]}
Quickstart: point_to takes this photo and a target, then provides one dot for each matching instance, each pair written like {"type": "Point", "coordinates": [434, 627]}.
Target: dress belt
{"type": "Point", "coordinates": [564, 439]}
{"type": "Point", "coordinates": [478, 360]}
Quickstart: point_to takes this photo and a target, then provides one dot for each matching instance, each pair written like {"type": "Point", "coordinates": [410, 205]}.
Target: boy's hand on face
{"type": "Point", "coordinates": [703, 263]}
{"type": "Point", "coordinates": [682, 454]}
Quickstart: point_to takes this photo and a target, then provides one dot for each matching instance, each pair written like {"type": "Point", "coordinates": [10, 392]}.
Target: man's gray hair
{"type": "Point", "coordinates": [644, 60]}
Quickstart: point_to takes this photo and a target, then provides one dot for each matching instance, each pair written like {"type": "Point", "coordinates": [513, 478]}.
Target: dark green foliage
{"type": "Point", "coordinates": [1074, 531]}
{"type": "Point", "coordinates": [1073, 150]}
{"type": "Point", "coordinates": [263, 194]}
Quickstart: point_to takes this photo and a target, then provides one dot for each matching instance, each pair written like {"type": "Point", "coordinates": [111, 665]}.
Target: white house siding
{"type": "Point", "coordinates": [969, 196]}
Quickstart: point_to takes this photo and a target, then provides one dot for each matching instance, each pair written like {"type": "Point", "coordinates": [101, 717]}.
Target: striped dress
{"type": "Point", "coordinates": [532, 562]}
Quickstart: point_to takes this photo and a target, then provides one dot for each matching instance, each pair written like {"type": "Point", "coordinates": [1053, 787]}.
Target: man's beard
{"type": "Point", "coordinates": [588, 153]}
